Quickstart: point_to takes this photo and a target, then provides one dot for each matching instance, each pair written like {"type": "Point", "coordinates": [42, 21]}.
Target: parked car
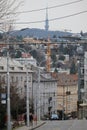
{"type": "Point", "coordinates": [54, 117]}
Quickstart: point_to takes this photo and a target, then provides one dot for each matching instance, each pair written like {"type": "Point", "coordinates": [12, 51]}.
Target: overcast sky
{"type": "Point", "coordinates": [60, 9]}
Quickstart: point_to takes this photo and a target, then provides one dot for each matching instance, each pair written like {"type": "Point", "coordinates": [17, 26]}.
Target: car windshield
{"type": "Point", "coordinates": [54, 115]}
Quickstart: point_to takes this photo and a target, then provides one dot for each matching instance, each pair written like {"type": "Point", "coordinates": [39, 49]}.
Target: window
{"type": "Point", "coordinates": [16, 79]}
{"type": "Point", "coordinates": [0, 77]}
{"type": "Point", "coordinates": [21, 68]}
{"type": "Point", "coordinates": [12, 68]}
{"type": "Point", "coordinates": [1, 67]}
{"type": "Point", "coordinates": [21, 90]}
{"type": "Point", "coordinates": [54, 94]}
{"type": "Point", "coordinates": [12, 78]}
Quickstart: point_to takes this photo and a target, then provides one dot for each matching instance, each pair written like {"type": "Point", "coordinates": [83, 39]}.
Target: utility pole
{"type": "Point", "coordinates": [79, 96]}
{"type": "Point", "coordinates": [27, 98]}
{"type": "Point", "coordinates": [8, 96]}
{"type": "Point", "coordinates": [39, 104]}
{"type": "Point", "coordinates": [39, 90]}
{"type": "Point", "coordinates": [9, 127]}
{"type": "Point", "coordinates": [63, 102]}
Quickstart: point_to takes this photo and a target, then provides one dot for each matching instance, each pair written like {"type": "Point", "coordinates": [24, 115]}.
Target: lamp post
{"type": "Point", "coordinates": [63, 103]}
{"type": "Point", "coordinates": [39, 89]}
{"type": "Point", "coordinates": [27, 91]}
{"type": "Point", "coordinates": [8, 86]}
{"type": "Point", "coordinates": [8, 96]}
{"type": "Point", "coordinates": [79, 96]}
{"type": "Point", "coordinates": [27, 99]}
{"type": "Point", "coordinates": [9, 127]}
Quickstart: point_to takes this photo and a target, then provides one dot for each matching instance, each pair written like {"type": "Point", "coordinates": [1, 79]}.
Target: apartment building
{"type": "Point", "coordinates": [44, 93]}
{"type": "Point", "coordinates": [67, 93]}
{"type": "Point", "coordinates": [17, 75]}
{"type": "Point", "coordinates": [27, 60]}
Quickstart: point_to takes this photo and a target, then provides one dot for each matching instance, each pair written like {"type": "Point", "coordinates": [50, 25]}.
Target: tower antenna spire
{"type": "Point", "coordinates": [46, 21]}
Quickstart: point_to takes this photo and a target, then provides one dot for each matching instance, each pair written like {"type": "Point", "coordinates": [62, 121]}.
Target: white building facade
{"type": "Point", "coordinates": [48, 98]}
{"type": "Point", "coordinates": [28, 60]}
{"type": "Point", "coordinates": [17, 75]}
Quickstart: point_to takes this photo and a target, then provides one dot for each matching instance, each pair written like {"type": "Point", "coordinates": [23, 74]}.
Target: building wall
{"type": "Point", "coordinates": [17, 75]}
{"type": "Point", "coordinates": [85, 72]}
{"type": "Point", "coordinates": [67, 102]}
{"type": "Point", "coordinates": [48, 89]}
{"type": "Point", "coordinates": [25, 61]}
{"type": "Point", "coordinates": [67, 95]}
{"type": "Point", "coordinates": [17, 80]}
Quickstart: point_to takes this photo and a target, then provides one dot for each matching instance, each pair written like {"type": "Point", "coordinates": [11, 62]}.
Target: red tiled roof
{"type": "Point", "coordinates": [26, 55]}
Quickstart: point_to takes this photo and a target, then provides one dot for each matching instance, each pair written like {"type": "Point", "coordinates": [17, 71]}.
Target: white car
{"type": "Point", "coordinates": [54, 117]}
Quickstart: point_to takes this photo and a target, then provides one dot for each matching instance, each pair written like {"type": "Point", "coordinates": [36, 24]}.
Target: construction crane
{"type": "Point", "coordinates": [48, 61]}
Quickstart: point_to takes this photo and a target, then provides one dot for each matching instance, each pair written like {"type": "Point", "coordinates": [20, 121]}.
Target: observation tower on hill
{"type": "Point", "coordinates": [46, 21]}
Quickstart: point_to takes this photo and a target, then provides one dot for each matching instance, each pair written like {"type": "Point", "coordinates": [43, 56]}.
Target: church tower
{"type": "Point", "coordinates": [46, 21]}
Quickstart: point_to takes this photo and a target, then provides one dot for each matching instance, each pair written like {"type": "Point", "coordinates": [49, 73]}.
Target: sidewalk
{"type": "Point", "coordinates": [35, 125]}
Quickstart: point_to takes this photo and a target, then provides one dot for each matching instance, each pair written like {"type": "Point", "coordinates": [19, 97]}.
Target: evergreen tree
{"type": "Point", "coordinates": [73, 69]}
{"type": "Point", "coordinates": [62, 57]}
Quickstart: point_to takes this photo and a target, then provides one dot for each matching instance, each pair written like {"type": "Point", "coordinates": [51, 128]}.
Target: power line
{"type": "Point", "coordinates": [56, 6]}
{"type": "Point", "coordinates": [54, 19]}
{"type": "Point", "coordinates": [69, 15]}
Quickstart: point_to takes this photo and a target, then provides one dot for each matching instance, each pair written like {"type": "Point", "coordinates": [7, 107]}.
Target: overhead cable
{"type": "Point", "coordinates": [54, 19]}
{"type": "Point", "coordinates": [50, 7]}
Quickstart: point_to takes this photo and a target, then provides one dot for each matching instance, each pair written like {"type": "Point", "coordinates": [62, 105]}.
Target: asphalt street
{"type": "Point", "coordinates": [64, 125]}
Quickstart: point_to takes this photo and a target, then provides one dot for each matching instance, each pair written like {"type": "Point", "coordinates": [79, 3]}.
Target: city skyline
{"type": "Point", "coordinates": [63, 15]}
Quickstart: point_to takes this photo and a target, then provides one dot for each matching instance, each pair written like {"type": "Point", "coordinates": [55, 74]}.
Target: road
{"type": "Point", "coordinates": [65, 125]}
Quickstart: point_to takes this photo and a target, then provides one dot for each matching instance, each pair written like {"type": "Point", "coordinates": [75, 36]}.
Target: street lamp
{"type": "Point", "coordinates": [79, 96]}
{"type": "Point", "coordinates": [8, 96]}
{"type": "Point", "coordinates": [8, 88]}
{"type": "Point", "coordinates": [27, 100]}
{"type": "Point", "coordinates": [27, 93]}
{"type": "Point", "coordinates": [63, 103]}
{"type": "Point", "coordinates": [27, 90]}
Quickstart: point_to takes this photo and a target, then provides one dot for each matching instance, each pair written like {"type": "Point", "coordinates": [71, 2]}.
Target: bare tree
{"type": "Point", "coordinates": [8, 10]}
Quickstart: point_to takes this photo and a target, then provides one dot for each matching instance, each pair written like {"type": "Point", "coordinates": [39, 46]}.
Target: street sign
{"type": "Point", "coordinates": [3, 95]}
{"type": "Point", "coordinates": [3, 101]}
{"type": "Point", "coordinates": [3, 98]}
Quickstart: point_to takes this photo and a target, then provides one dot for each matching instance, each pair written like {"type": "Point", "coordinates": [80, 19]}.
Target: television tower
{"type": "Point", "coordinates": [46, 21]}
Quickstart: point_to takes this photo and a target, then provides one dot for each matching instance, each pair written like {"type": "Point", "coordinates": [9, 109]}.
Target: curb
{"type": "Point", "coordinates": [37, 126]}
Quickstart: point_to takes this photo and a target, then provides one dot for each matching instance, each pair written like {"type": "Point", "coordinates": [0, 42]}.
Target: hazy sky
{"type": "Point", "coordinates": [59, 10]}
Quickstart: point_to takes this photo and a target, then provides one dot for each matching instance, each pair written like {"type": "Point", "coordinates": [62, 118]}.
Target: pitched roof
{"type": "Point", "coordinates": [66, 79]}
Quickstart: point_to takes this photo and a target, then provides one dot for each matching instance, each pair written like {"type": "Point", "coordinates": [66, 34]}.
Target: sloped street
{"type": "Point", "coordinates": [65, 125]}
